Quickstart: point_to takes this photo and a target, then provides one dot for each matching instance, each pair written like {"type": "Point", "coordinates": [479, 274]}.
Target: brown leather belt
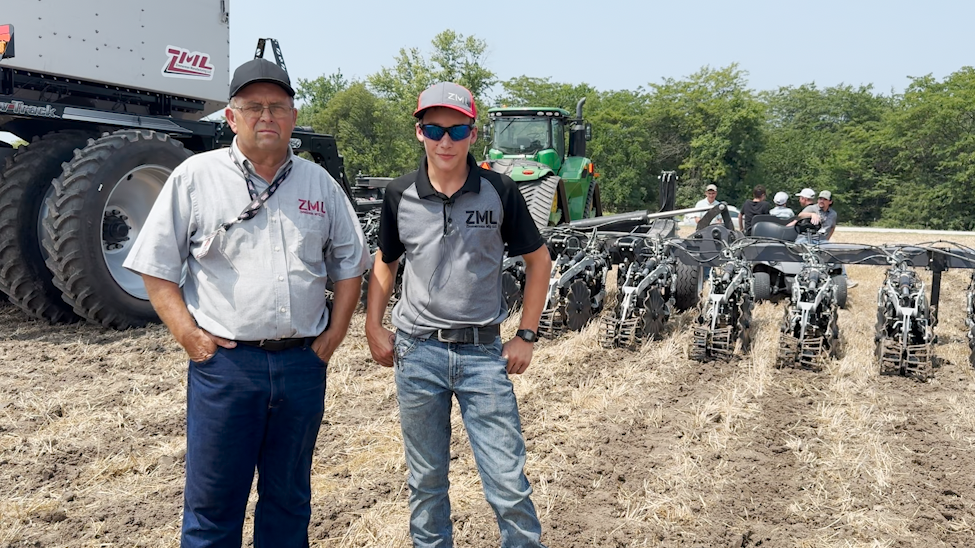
{"type": "Point", "coordinates": [468, 335]}
{"type": "Point", "coordinates": [278, 345]}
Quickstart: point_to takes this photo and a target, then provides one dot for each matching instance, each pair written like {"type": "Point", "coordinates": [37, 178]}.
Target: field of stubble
{"type": "Point", "coordinates": [625, 448]}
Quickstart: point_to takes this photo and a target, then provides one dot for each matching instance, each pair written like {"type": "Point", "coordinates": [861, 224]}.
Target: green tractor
{"type": "Point", "coordinates": [529, 145]}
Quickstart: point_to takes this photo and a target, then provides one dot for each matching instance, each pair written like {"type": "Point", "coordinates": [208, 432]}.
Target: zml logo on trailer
{"type": "Point", "coordinates": [183, 63]}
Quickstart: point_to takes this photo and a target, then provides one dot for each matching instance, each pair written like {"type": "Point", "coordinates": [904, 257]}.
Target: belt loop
{"type": "Point", "coordinates": [476, 342]}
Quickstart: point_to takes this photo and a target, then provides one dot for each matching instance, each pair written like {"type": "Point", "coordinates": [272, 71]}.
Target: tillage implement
{"type": "Point", "coordinates": [725, 319]}
{"type": "Point", "coordinates": [810, 331]}
{"type": "Point", "coordinates": [647, 283]}
{"type": "Point", "coordinates": [905, 325]}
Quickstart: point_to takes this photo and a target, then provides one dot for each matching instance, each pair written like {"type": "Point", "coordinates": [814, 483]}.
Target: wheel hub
{"type": "Point", "coordinates": [115, 230]}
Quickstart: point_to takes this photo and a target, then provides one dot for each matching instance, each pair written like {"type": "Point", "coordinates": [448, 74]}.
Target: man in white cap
{"type": "Point", "coordinates": [710, 198]}
{"type": "Point", "coordinates": [820, 215]}
{"type": "Point", "coordinates": [780, 210]}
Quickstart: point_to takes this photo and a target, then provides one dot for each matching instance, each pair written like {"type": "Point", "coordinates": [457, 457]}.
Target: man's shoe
{"type": "Point", "coordinates": [850, 283]}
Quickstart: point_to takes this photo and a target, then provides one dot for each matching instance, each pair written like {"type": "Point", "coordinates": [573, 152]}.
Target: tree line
{"type": "Point", "coordinates": [904, 160]}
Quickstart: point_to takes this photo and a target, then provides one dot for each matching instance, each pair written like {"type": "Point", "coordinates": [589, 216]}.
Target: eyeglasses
{"type": "Point", "coordinates": [436, 133]}
{"type": "Point", "coordinates": [255, 110]}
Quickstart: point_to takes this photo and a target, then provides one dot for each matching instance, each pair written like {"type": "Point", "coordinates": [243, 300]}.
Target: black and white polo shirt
{"type": "Point", "coordinates": [453, 247]}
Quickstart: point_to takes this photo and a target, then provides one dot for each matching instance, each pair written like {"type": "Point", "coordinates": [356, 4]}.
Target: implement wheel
{"type": "Point", "coordinates": [99, 205]}
{"type": "Point", "coordinates": [24, 184]}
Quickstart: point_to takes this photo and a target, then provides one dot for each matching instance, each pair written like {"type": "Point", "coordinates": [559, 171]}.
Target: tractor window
{"type": "Point", "coordinates": [522, 135]}
{"type": "Point", "coordinates": [558, 137]}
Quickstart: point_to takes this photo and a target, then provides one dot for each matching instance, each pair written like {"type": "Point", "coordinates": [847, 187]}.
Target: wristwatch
{"type": "Point", "coordinates": [527, 335]}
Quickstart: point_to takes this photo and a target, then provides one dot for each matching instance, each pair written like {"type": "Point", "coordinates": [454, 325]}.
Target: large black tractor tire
{"type": "Point", "coordinates": [689, 282]}
{"type": "Point", "coordinates": [539, 196]}
{"type": "Point", "coordinates": [594, 206]}
{"type": "Point", "coordinates": [762, 286]}
{"type": "Point", "coordinates": [24, 184]}
{"type": "Point", "coordinates": [99, 205]}
{"type": "Point", "coordinates": [841, 290]}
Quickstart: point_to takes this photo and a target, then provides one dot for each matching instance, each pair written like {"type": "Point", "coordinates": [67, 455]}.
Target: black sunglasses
{"type": "Point", "coordinates": [457, 133]}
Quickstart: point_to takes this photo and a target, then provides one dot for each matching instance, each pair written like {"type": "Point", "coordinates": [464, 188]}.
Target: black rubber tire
{"type": "Point", "coordinates": [841, 290]}
{"type": "Point", "coordinates": [688, 293]}
{"type": "Point", "coordinates": [24, 182]}
{"type": "Point", "coordinates": [539, 196]}
{"type": "Point", "coordinates": [762, 286]}
{"type": "Point", "coordinates": [73, 238]}
{"type": "Point", "coordinates": [592, 208]}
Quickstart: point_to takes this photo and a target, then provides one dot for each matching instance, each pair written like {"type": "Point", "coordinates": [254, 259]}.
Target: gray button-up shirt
{"type": "Point", "coordinates": [263, 278]}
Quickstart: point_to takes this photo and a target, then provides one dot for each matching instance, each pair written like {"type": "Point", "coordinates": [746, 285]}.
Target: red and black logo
{"type": "Point", "coordinates": [183, 63]}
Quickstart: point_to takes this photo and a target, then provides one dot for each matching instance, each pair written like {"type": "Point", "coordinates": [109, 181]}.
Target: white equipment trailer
{"type": "Point", "coordinates": [109, 95]}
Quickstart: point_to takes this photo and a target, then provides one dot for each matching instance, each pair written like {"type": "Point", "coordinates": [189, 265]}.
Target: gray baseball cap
{"type": "Point", "coordinates": [260, 70]}
{"type": "Point", "coordinates": [448, 95]}
{"type": "Point", "coordinates": [807, 193]}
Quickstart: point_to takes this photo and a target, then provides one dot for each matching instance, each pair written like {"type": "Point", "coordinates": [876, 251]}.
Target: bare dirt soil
{"type": "Point", "coordinates": [626, 448]}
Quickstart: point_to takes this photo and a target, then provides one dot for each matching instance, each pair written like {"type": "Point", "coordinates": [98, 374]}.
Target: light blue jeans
{"type": "Point", "coordinates": [429, 373]}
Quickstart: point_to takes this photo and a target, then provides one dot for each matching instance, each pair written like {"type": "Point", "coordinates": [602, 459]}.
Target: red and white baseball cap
{"type": "Point", "coordinates": [447, 95]}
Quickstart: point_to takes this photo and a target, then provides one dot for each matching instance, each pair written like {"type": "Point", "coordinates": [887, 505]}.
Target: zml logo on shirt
{"type": "Point", "coordinates": [481, 219]}
{"type": "Point", "coordinates": [309, 207]}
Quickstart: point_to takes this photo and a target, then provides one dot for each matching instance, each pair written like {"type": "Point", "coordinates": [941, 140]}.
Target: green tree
{"type": "Point", "coordinates": [930, 139]}
{"type": "Point", "coordinates": [709, 127]}
{"type": "Point", "coordinates": [816, 138]}
{"type": "Point", "coordinates": [453, 58]}
{"type": "Point", "coordinates": [317, 93]}
{"type": "Point", "coordinates": [368, 137]}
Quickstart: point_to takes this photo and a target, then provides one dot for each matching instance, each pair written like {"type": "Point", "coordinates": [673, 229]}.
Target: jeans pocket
{"type": "Point", "coordinates": [316, 356]}
{"type": "Point", "coordinates": [403, 345]}
{"type": "Point", "coordinates": [493, 348]}
{"type": "Point", "coordinates": [208, 360]}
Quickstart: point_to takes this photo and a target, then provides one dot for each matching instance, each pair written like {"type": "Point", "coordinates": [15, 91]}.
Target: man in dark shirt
{"type": "Point", "coordinates": [451, 220]}
{"type": "Point", "coordinates": [756, 206]}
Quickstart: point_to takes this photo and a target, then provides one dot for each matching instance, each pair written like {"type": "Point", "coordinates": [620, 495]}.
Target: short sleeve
{"type": "Point", "coordinates": [518, 229]}
{"type": "Point", "coordinates": [347, 255]}
{"type": "Point", "coordinates": [164, 241]}
{"type": "Point", "coordinates": [389, 240]}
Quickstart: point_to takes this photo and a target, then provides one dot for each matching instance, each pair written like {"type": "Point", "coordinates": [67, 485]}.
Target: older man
{"type": "Point", "coordinates": [252, 312]}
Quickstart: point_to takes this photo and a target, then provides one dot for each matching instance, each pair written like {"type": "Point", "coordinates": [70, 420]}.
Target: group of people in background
{"type": "Point", "coordinates": [817, 209]}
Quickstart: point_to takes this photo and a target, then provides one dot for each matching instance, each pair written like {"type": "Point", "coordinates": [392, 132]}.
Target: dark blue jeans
{"type": "Point", "coordinates": [249, 409]}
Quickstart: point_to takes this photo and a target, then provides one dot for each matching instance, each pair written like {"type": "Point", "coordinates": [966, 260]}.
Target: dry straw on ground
{"type": "Point", "coordinates": [626, 448]}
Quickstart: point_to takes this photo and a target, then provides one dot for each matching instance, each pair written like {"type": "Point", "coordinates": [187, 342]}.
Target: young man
{"type": "Point", "coordinates": [252, 314]}
{"type": "Point", "coordinates": [451, 220]}
{"type": "Point", "coordinates": [781, 210]}
{"type": "Point", "coordinates": [819, 214]}
{"type": "Point", "coordinates": [756, 206]}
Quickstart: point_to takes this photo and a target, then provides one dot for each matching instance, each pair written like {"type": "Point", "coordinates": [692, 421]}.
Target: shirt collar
{"type": "Point", "coordinates": [249, 166]}
{"type": "Point", "coordinates": [424, 188]}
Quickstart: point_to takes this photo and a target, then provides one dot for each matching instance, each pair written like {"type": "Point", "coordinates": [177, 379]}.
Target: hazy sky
{"type": "Point", "coordinates": [613, 44]}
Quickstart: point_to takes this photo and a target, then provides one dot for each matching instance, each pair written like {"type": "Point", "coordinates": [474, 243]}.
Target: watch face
{"type": "Point", "coordinates": [527, 334]}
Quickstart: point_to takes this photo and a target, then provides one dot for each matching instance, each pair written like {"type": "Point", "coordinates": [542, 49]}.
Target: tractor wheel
{"type": "Point", "coordinates": [841, 289]}
{"type": "Point", "coordinates": [24, 185]}
{"type": "Point", "coordinates": [763, 286]}
{"type": "Point", "coordinates": [689, 284]}
{"type": "Point", "coordinates": [539, 196]}
{"type": "Point", "coordinates": [594, 206]}
{"type": "Point", "coordinates": [99, 205]}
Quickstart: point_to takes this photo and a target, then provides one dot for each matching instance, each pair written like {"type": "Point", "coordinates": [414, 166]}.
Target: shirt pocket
{"type": "Point", "coordinates": [312, 238]}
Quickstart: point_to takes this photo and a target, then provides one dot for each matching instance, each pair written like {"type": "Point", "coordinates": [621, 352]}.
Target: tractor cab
{"type": "Point", "coordinates": [531, 134]}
